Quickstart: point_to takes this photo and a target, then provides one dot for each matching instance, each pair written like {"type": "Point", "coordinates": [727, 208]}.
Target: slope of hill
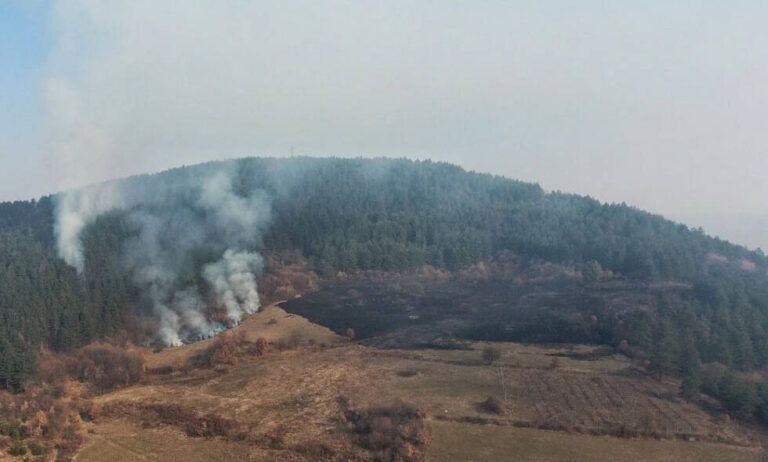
{"type": "Point", "coordinates": [147, 248]}
{"type": "Point", "coordinates": [292, 404]}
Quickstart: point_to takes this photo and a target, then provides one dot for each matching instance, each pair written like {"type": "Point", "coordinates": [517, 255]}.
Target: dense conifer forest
{"type": "Point", "coordinates": [383, 214]}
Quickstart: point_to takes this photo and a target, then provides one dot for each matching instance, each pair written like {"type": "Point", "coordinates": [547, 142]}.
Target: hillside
{"type": "Point", "coordinates": [423, 263]}
{"type": "Point", "coordinates": [299, 402]}
{"type": "Point", "coordinates": [344, 215]}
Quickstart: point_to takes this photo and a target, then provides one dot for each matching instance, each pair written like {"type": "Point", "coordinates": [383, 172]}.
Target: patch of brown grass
{"type": "Point", "coordinates": [155, 414]}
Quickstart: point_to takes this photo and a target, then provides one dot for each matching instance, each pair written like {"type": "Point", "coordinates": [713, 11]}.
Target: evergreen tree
{"type": "Point", "coordinates": [663, 352]}
{"type": "Point", "coordinates": [690, 369]}
{"type": "Point", "coordinates": [592, 272]}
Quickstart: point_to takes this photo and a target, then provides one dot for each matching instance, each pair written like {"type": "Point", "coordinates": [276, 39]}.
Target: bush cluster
{"type": "Point", "coordinates": [398, 433]}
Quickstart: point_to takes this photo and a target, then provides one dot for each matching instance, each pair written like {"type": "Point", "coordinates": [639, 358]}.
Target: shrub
{"type": "Point", "coordinates": [350, 334]}
{"type": "Point", "coordinates": [14, 431]}
{"type": "Point", "coordinates": [398, 433]}
{"type": "Point", "coordinates": [492, 405]}
{"type": "Point", "coordinates": [491, 355]}
{"type": "Point", "coordinates": [17, 449]}
{"type": "Point", "coordinates": [56, 423]}
{"type": "Point", "coordinates": [222, 351]}
{"type": "Point", "coordinates": [315, 450]}
{"type": "Point", "coordinates": [293, 341]}
{"type": "Point", "coordinates": [592, 272]}
{"type": "Point", "coordinates": [209, 425]}
{"type": "Point", "coordinates": [70, 443]}
{"type": "Point", "coordinates": [286, 277]}
{"type": "Point", "coordinates": [36, 423]}
{"type": "Point", "coordinates": [408, 373]}
{"type": "Point", "coordinates": [36, 449]}
{"type": "Point", "coordinates": [162, 370]}
{"type": "Point", "coordinates": [275, 437]}
{"type": "Point", "coordinates": [52, 368]}
{"type": "Point", "coordinates": [5, 442]}
{"type": "Point", "coordinates": [107, 366]}
{"type": "Point", "coordinates": [410, 287]}
{"type": "Point", "coordinates": [261, 347]}
{"type": "Point", "coordinates": [194, 425]}
{"type": "Point", "coordinates": [87, 410]}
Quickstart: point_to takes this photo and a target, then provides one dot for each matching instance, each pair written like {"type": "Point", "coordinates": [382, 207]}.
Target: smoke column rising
{"type": "Point", "coordinates": [233, 281]}
{"type": "Point", "coordinates": [191, 245]}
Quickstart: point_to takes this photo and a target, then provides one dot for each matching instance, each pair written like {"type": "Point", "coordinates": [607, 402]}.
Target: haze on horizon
{"type": "Point", "coordinates": [662, 106]}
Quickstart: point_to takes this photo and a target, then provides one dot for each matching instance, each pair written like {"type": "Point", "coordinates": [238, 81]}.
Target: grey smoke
{"type": "Point", "coordinates": [193, 247]}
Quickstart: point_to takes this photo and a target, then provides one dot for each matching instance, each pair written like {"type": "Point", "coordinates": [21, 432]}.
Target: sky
{"type": "Point", "coordinates": [662, 105]}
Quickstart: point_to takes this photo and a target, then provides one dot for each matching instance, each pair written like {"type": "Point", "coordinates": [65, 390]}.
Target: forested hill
{"type": "Point", "coordinates": [368, 214]}
{"type": "Point", "coordinates": [357, 214]}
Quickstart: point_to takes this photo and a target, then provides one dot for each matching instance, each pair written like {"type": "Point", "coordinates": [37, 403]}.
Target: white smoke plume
{"type": "Point", "coordinates": [76, 209]}
{"type": "Point", "coordinates": [191, 249]}
{"type": "Point", "coordinates": [234, 282]}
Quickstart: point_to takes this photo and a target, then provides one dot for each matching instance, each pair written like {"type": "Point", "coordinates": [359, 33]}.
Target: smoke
{"type": "Point", "coordinates": [233, 281]}
{"type": "Point", "coordinates": [191, 247]}
{"type": "Point", "coordinates": [74, 210]}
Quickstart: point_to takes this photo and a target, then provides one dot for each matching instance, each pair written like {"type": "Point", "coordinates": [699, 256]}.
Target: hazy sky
{"type": "Point", "coordinates": [663, 105]}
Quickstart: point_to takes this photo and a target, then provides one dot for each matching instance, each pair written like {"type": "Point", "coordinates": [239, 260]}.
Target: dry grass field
{"type": "Point", "coordinates": [288, 400]}
{"type": "Point", "coordinates": [596, 396]}
{"type": "Point", "coordinates": [477, 443]}
{"type": "Point", "coordinates": [123, 442]}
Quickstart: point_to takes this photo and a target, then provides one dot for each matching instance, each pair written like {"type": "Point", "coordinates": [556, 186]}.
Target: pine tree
{"type": "Point", "coordinates": [690, 368]}
{"type": "Point", "coordinates": [592, 272]}
{"type": "Point", "coordinates": [663, 354]}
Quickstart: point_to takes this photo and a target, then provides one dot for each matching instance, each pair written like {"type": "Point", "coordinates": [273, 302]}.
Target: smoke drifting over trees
{"type": "Point", "coordinates": [184, 247]}
{"type": "Point", "coordinates": [191, 246]}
